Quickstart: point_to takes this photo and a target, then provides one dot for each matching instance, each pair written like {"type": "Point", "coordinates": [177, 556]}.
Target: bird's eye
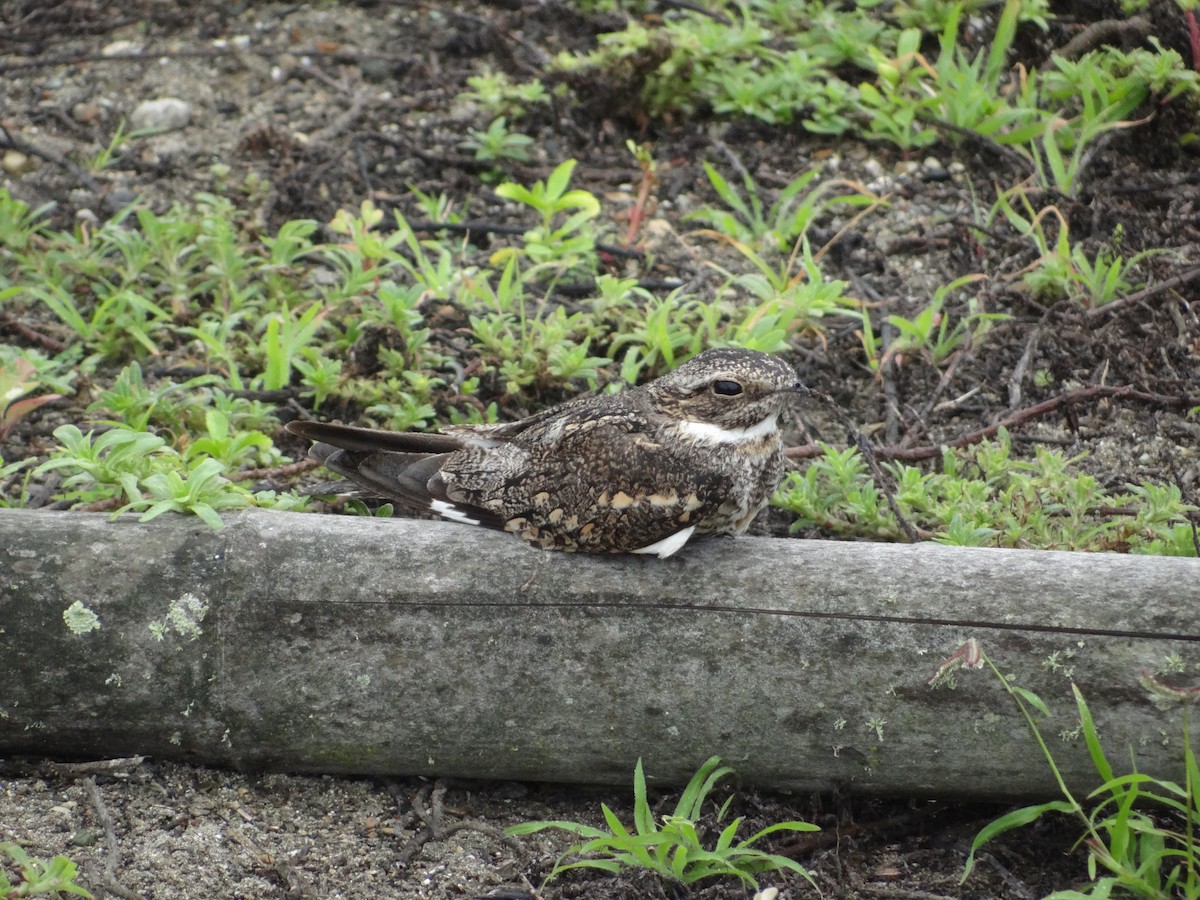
{"type": "Point", "coordinates": [726, 388]}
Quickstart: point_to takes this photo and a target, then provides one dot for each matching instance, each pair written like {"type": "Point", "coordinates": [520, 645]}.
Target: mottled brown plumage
{"type": "Point", "coordinates": [696, 451]}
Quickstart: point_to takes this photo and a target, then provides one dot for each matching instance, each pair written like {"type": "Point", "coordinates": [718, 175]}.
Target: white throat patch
{"type": "Point", "coordinates": [708, 433]}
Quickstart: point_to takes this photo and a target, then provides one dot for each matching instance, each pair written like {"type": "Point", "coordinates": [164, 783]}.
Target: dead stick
{"type": "Point", "coordinates": [1082, 395]}
{"type": "Point", "coordinates": [867, 450]}
{"type": "Point", "coordinates": [1184, 277]}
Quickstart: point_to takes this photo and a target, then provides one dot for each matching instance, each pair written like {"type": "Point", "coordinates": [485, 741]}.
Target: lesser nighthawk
{"type": "Point", "coordinates": [697, 451]}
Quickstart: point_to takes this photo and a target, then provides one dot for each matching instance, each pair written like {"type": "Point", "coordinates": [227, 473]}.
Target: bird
{"type": "Point", "coordinates": [696, 451]}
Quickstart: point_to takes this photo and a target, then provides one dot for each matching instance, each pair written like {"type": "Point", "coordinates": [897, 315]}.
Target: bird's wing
{"type": "Point", "coordinates": [368, 440]}
{"type": "Point", "coordinates": [587, 484]}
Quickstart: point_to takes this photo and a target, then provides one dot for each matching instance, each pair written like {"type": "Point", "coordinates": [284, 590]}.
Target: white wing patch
{"type": "Point", "coordinates": [709, 433]}
{"type": "Point", "coordinates": [668, 545]}
{"type": "Point", "coordinates": [451, 512]}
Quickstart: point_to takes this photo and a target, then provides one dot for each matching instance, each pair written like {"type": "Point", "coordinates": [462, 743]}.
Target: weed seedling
{"type": "Point", "coordinates": [568, 242]}
{"type": "Point", "coordinates": [673, 848]}
{"type": "Point", "coordinates": [498, 143]}
{"type": "Point", "coordinates": [38, 877]}
{"type": "Point", "coordinates": [1131, 851]}
{"type": "Point", "coordinates": [18, 376]}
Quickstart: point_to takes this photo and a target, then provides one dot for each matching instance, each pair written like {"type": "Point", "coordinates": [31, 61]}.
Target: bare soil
{"type": "Point", "coordinates": [330, 103]}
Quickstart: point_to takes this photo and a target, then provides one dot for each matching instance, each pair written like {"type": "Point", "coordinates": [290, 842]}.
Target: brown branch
{"type": "Point", "coordinates": [1118, 32]}
{"type": "Point", "coordinates": [271, 472]}
{"type": "Point", "coordinates": [75, 59]}
{"type": "Point", "coordinates": [867, 450]}
{"type": "Point", "coordinates": [1184, 277]}
{"type": "Point", "coordinates": [49, 156]}
{"type": "Point", "coordinates": [1082, 395]}
{"type": "Point", "coordinates": [111, 885]}
{"type": "Point", "coordinates": [12, 323]}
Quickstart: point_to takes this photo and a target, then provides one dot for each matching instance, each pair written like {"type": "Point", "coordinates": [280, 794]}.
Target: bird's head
{"type": "Point", "coordinates": [727, 394]}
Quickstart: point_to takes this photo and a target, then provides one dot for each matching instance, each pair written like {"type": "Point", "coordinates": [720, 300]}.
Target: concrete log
{"type": "Point", "coordinates": [353, 645]}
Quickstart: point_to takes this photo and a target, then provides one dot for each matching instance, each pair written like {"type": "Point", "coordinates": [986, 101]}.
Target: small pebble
{"type": "Point", "coordinates": [374, 69]}
{"type": "Point", "coordinates": [86, 113]}
{"type": "Point", "coordinates": [933, 169]}
{"type": "Point", "coordinates": [240, 41]}
{"type": "Point", "coordinates": [17, 163]}
{"type": "Point", "coordinates": [86, 837]}
{"type": "Point", "coordinates": [118, 199]}
{"type": "Point", "coordinates": [164, 114]}
{"type": "Point", "coordinates": [120, 48]}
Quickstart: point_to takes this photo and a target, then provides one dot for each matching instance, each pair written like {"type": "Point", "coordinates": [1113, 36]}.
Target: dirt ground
{"type": "Point", "coordinates": [329, 103]}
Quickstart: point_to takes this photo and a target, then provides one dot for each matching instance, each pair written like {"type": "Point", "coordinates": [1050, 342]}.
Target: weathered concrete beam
{"type": "Point", "coordinates": [336, 644]}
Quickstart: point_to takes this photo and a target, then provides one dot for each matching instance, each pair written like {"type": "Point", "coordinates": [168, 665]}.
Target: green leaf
{"type": "Point", "coordinates": [614, 823]}
{"type": "Point", "coordinates": [643, 816]}
{"type": "Point", "coordinates": [779, 826]}
{"type": "Point", "coordinates": [1018, 818]}
{"type": "Point", "coordinates": [1032, 699]}
{"type": "Point", "coordinates": [1091, 736]}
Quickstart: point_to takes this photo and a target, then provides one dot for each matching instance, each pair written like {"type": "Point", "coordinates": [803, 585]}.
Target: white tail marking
{"type": "Point", "coordinates": [451, 512]}
{"type": "Point", "coordinates": [668, 545]}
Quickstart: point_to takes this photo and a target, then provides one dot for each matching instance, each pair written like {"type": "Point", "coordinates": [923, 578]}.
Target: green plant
{"type": "Point", "coordinates": [1055, 116]}
{"type": "Point", "coordinates": [117, 316]}
{"type": "Point", "coordinates": [1131, 851]}
{"type": "Point", "coordinates": [893, 114]}
{"type": "Point", "coordinates": [528, 344]}
{"type": "Point", "coordinates": [1063, 269]}
{"type": "Point", "coordinates": [673, 849]}
{"type": "Point", "coordinates": [8, 475]}
{"type": "Point", "coordinates": [152, 477]}
{"type": "Point", "coordinates": [1106, 86]}
{"type": "Point", "coordinates": [498, 143]}
{"type": "Point", "coordinates": [970, 94]}
{"type": "Point", "coordinates": [37, 877]}
{"type": "Point", "coordinates": [132, 404]}
{"type": "Point", "coordinates": [318, 372]}
{"type": "Point", "coordinates": [231, 447]}
{"type": "Point", "coordinates": [769, 59]}
{"type": "Point", "coordinates": [792, 297]}
{"type": "Point", "coordinates": [566, 243]}
{"type": "Point", "coordinates": [19, 223]}
{"type": "Point", "coordinates": [104, 467]}
{"type": "Point", "coordinates": [107, 154]}
{"type": "Point", "coordinates": [983, 497]}
{"type": "Point", "coordinates": [778, 225]}
{"type": "Point", "coordinates": [202, 491]}
{"type": "Point", "coordinates": [369, 255]}
{"type": "Point", "coordinates": [499, 95]}
{"type": "Point", "coordinates": [395, 307]}
{"type": "Point", "coordinates": [930, 333]}
{"type": "Point", "coordinates": [661, 334]}
{"type": "Point", "coordinates": [792, 294]}
{"type": "Point", "coordinates": [437, 207]}
{"type": "Point", "coordinates": [286, 336]}
{"type": "Point", "coordinates": [18, 376]}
